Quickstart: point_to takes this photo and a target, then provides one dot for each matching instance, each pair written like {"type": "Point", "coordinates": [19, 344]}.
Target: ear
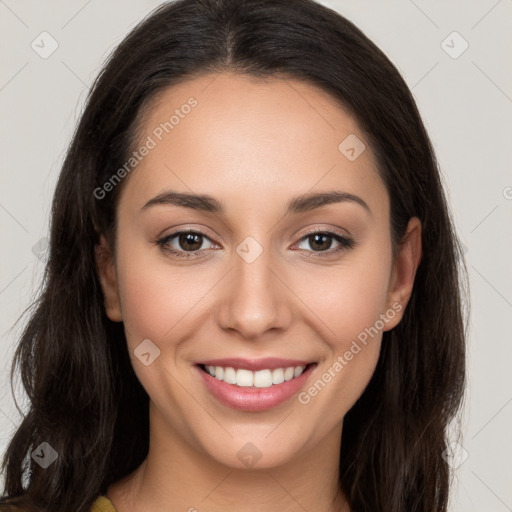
{"type": "Point", "coordinates": [404, 271]}
{"type": "Point", "coordinates": [107, 276]}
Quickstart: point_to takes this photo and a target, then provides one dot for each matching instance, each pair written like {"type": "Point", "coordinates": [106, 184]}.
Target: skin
{"type": "Point", "coordinates": [253, 144]}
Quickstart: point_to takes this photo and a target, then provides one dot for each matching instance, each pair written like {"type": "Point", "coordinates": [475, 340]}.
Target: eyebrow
{"type": "Point", "coordinates": [300, 204]}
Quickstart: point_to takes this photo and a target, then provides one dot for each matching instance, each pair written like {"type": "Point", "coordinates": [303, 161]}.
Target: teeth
{"type": "Point", "coordinates": [277, 376]}
{"type": "Point", "coordinates": [229, 376]}
{"type": "Point", "coordinates": [259, 379]}
{"type": "Point", "coordinates": [288, 373]}
{"type": "Point", "coordinates": [243, 378]}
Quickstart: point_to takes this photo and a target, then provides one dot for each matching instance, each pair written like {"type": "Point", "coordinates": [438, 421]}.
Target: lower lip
{"type": "Point", "coordinates": [254, 399]}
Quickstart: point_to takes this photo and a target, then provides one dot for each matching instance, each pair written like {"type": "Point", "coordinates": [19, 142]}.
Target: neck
{"type": "Point", "coordinates": [176, 473]}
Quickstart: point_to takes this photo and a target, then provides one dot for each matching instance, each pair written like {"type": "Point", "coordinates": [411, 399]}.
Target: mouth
{"type": "Point", "coordinates": [255, 390]}
{"type": "Point", "coordinates": [264, 378]}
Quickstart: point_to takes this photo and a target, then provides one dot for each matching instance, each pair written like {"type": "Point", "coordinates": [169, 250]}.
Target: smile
{"type": "Point", "coordinates": [261, 385]}
{"type": "Point", "coordinates": [259, 379]}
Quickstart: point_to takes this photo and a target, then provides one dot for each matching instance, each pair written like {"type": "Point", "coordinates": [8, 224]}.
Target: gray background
{"type": "Point", "coordinates": [466, 103]}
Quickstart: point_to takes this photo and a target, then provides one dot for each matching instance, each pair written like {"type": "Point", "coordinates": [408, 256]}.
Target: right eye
{"type": "Point", "coordinates": [182, 242]}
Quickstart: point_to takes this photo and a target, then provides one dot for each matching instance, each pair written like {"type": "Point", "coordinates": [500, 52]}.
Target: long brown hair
{"type": "Point", "coordinates": [85, 399]}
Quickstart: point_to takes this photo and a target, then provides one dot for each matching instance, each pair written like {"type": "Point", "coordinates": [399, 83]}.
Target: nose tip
{"type": "Point", "coordinates": [253, 301]}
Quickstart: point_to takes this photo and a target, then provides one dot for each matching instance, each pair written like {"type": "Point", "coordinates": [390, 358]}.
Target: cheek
{"type": "Point", "coordinates": [156, 299]}
{"type": "Point", "coordinates": [351, 297]}
{"type": "Point", "coordinates": [350, 303]}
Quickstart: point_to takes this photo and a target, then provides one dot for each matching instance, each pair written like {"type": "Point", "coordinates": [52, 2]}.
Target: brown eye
{"type": "Point", "coordinates": [322, 241]}
{"type": "Point", "coordinates": [190, 241]}
{"type": "Point", "coordinates": [183, 243]}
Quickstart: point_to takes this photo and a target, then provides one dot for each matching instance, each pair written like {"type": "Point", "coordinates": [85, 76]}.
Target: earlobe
{"type": "Point", "coordinates": [404, 270]}
{"type": "Point", "coordinates": [107, 275]}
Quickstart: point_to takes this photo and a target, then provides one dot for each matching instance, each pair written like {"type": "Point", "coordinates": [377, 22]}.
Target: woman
{"type": "Point", "coordinates": [252, 299]}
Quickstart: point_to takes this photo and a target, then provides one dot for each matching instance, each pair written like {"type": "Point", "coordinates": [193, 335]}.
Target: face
{"type": "Point", "coordinates": [267, 273]}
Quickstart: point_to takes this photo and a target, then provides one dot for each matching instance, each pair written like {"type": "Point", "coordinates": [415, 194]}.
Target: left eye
{"type": "Point", "coordinates": [319, 238]}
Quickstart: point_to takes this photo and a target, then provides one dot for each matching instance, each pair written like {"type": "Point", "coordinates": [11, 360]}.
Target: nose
{"type": "Point", "coordinates": [254, 298]}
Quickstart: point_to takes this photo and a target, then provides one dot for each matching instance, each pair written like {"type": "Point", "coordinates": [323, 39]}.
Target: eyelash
{"type": "Point", "coordinates": [345, 243]}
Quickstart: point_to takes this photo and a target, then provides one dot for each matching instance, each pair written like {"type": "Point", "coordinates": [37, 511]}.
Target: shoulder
{"type": "Point", "coordinates": [102, 504]}
{"type": "Point", "coordinates": [13, 505]}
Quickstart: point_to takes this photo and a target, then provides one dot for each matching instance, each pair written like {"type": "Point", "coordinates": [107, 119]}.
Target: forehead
{"type": "Point", "coordinates": [236, 134]}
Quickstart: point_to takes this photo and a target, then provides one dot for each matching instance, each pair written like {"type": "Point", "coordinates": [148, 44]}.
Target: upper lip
{"type": "Point", "coordinates": [266, 363]}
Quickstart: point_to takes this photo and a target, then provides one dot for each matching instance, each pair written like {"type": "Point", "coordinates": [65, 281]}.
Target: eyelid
{"type": "Point", "coordinates": [330, 229]}
{"type": "Point", "coordinates": [189, 228]}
